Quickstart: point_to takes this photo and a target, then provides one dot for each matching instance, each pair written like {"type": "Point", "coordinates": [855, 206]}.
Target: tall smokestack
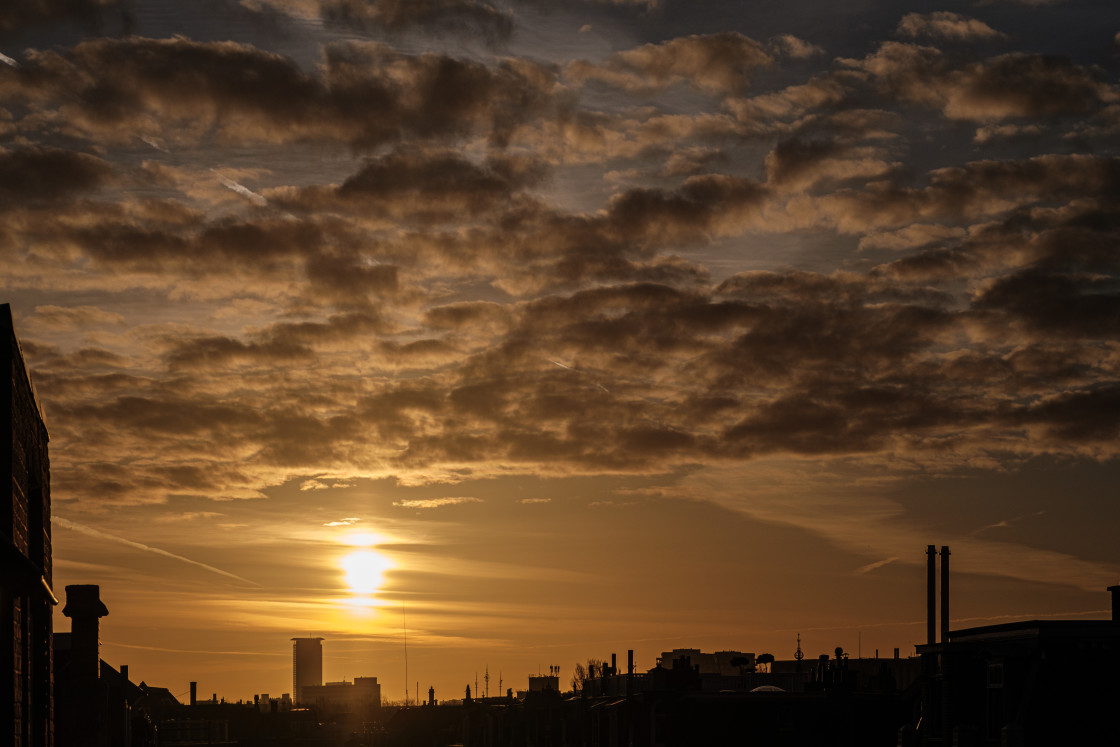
{"type": "Point", "coordinates": [931, 595]}
{"type": "Point", "coordinates": [194, 693]}
{"type": "Point", "coordinates": [944, 593]}
{"type": "Point", "coordinates": [1115, 603]}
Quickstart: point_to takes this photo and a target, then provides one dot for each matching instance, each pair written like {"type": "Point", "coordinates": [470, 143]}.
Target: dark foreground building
{"type": "Point", "coordinates": [1033, 683]}
{"type": "Point", "coordinates": [26, 597]}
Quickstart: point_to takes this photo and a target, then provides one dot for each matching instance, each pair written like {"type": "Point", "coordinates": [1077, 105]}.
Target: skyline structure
{"type": "Point", "coordinates": [307, 666]}
{"type": "Point", "coordinates": [26, 590]}
{"type": "Point", "coordinates": [564, 327]}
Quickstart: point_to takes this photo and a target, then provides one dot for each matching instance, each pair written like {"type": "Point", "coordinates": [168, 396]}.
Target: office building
{"type": "Point", "coordinates": [307, 665]}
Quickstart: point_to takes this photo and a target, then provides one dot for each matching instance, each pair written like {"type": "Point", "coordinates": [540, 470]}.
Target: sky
{"type": "Point", "coordinates": [477, 336]}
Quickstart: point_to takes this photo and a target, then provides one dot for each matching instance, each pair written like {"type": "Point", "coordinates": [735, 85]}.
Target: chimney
{"type": "Point", "coordinates": [944, 593]}
{"type": "Point", "coordinates": [630, 661]}
{"type": "Point", "coordinates": [1115, 603]}
{"type": "Point", "coordinates": [84, 608]}
{"type": "Point", "coordinates": [194, 693]}
{"type": "Point", "coordinates": [614, 664]}
{"type": "Point", "coordinates": [931, 594]}
{"type": "Point", "coordinates": [124, 673]}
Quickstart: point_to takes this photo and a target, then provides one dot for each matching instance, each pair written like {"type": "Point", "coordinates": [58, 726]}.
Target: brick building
{"type": "Point", "coordinates": [26, 598]}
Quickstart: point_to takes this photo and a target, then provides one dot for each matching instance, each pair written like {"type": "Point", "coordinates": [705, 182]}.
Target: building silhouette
{"type": "Point", "coordinates": [307, 665]}
{"type": "Point", "coordinates": [1018, 684]}
{"type": "Point", "coordinates": [26, 596]}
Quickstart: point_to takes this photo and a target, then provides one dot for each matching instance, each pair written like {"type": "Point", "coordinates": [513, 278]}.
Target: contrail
{"type": "Point", "coordinates": [240, 189]}
{"type": "Point", "coordinates": [190, 651]}
{"type": "Point", "coordinates": [154, 144]}
{"type": "Point", "coordinates": [872, 566]}
{"type": "Point", "coordinates": [8, 60]}
{"type": "Point", "coordinates": [102, 535]}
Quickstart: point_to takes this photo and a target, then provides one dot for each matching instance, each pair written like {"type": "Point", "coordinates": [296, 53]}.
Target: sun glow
{"type": "Point", "coordinates": [364, 571]}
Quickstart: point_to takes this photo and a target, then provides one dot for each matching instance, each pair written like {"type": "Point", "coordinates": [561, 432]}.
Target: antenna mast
{"type": "Point", "coordinates": [404, 623]}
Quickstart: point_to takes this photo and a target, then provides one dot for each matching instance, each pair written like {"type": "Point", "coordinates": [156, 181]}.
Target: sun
{"type": "Point", "coordinates": [364, 571]}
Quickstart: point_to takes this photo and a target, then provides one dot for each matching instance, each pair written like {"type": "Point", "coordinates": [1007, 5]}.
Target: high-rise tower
{"type": "Point", "coordinates": [307, 665]}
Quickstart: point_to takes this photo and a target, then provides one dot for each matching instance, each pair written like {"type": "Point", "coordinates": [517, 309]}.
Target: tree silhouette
{"type": "Point", "coordinates": [581, 674]}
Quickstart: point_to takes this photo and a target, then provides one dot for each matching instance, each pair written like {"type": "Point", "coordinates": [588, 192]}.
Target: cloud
{"type": "Point", "coordinates": [851, 507]}
{"type": "Point", "coordinates": [799, 164]}
{"type": "Point", "coordinates": [717, 63]}
{"type": "Point", "coordinates": [187, 516]}
{"type": "Point", "coordinates": [363, 94]}
{"type": "Point", "coordinates": [35, 12]}
{"type": "Point", "coordinates": [421, 187]}
{"type": "Point", "coordinates": [458, 16]}
{"type": "Point", "coordinates": [60, 317]}
{"type": "Point", "coordinates": [976, 190]}
{"type": "Point", "coordinates": [46, 176]}
{"type": "Point", "coordinates": [913, 236]}
{"type": "Point", "coordinates": [1001, 87]}
{"type": "Point", "coordinates": [435, 502]}
{"type": "Point", "coordinates": [790, 46]}
{"type": "Point", "coordinates": [947, 26]}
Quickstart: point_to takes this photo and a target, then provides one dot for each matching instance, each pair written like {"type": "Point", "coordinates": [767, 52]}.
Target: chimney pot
{"type": "Point", "coordinates": [931, 594]}
{"type": "Point", "coordinates": [944, 593]}
{"type": "Point", "coordinates": [1115, 603]}
{"type": "Point", "coordinates": [84, 608]}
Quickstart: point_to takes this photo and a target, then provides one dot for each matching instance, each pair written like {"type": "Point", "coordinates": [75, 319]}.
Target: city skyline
{"type": "Point", "coordinates": [537, 332]}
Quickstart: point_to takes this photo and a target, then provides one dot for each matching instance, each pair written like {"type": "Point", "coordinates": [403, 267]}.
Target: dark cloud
{"type": "Point", "coordinates": [801, 163]}
{"type": "Point", "coordinates": [947, 26]}
{"type": "Point", "coordinates": [89, 13]}
{"type": "Point", "coordinates": [712, 203]}
{"type": "Point", "coordinates": [717, 63]}
{"type": "Point", "coordinates": [364, 95]}
{"type": "Point", "coordinates": [1084, 304]}
{"type": "Point", "coordinates": [474, 298]}
{"type": "Point", "coordinates": [422, 187]}
{"type": "Point", "coordinates": [459, 16]}
{"type": "Point", "coordinates": [277, 344]}
{"type": "Point", "coordinates": [207, 352]}
{"type": "Point", "coordinates": [1090, 415]}
{"type": "Point", "coordinates": [1010, 85]}
{"type": "Point", "coordinates": [975, 190]}
{"type": "Point", "coordinates": [36, 175]}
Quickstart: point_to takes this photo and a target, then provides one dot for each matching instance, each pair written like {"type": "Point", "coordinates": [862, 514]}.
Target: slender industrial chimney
{"type": "Point", "coordinates": [931, 595]}
{"type": "Point", "coordinates": [194, 693]}
{"type": "Point", "coordinates": [1115, 603]}
{"type": "Point", "coordinates": [944, 593]}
